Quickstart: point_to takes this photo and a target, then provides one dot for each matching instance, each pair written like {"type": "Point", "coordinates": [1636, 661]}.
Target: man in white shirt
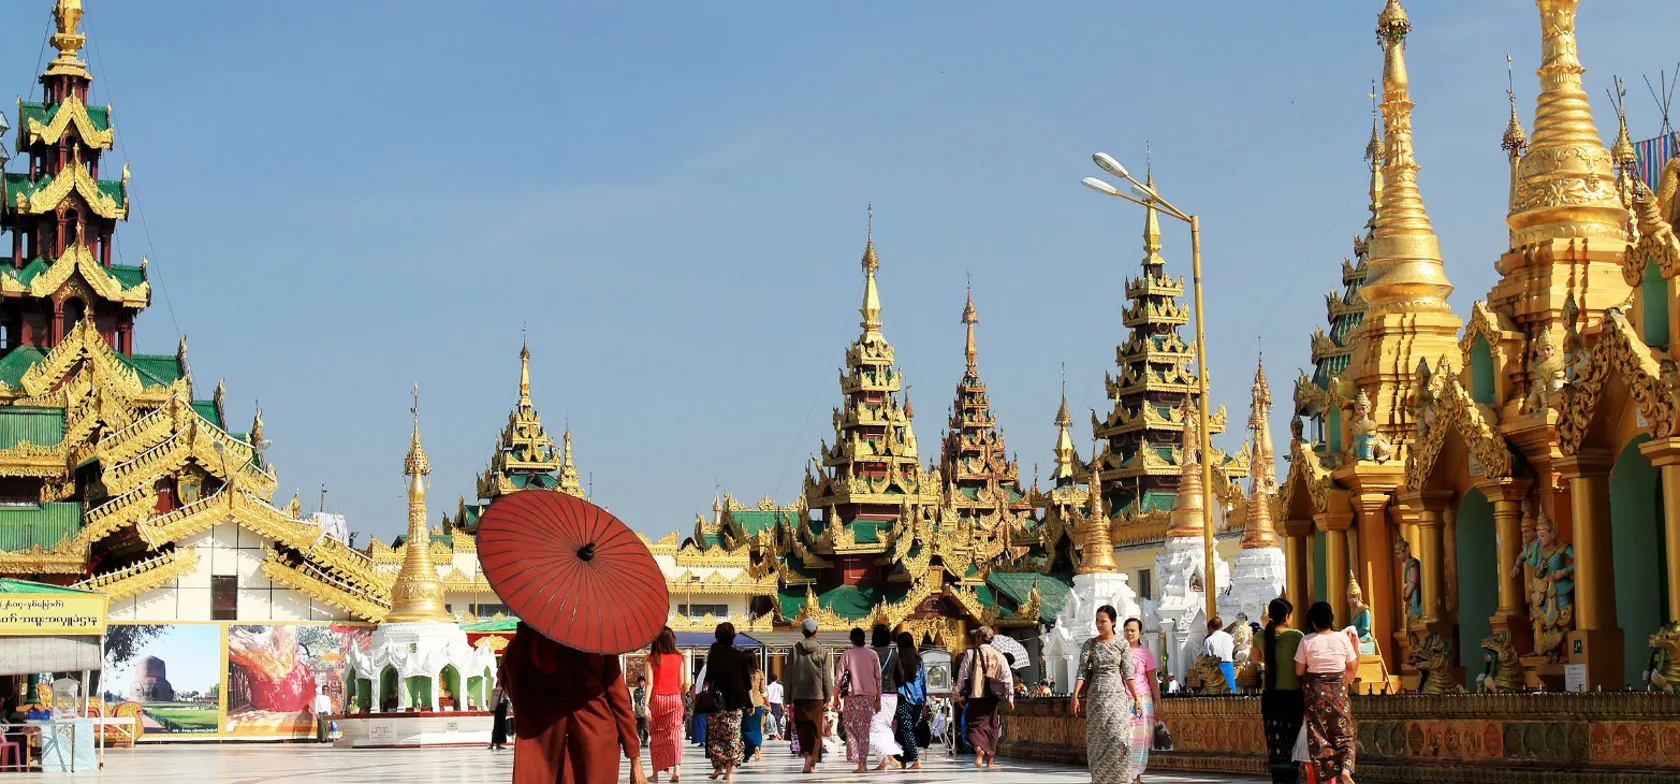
{"type": "Point", "coordinates": [773, 695]}
{"type": "Point", "coordinates": [1220, 645]}
{"type": "Point", "coordinates": [322, 705]}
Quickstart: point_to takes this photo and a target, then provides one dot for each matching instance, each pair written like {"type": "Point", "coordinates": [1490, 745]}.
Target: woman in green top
{"type": "Point", "coordinates": [1280, 699]}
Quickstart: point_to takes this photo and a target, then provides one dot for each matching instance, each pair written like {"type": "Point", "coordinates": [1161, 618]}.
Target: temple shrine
{"type": "Point", "coordinates": [116, 476]}
{"type": "Point", "coordinates": [1486, 492]}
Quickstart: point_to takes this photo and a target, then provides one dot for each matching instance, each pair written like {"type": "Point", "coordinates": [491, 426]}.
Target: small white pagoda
{"type": "Point", "coordinates": [1182, 611]}
{"type": "Point", "coordinates": [1258, 576]}
{"type": "Point", "coordinates": [419, 660]}
{"type": "Point", "coordinates": [1098, 581]}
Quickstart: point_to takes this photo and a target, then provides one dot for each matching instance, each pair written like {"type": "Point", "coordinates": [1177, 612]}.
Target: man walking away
{"type": "Point", "coordinates": [773, 695]}
{"type": "Point", "coordinates": [639, 703]}
{"type": "Point", "coordinates": [810, 688]}
{"type": "Point", "coordinates": [1220, 645]}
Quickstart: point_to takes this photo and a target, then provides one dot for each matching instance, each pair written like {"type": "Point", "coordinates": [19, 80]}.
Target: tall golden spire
{"type": "Point", "coordinates": [1567, 189]}
{"type": "Point", "coordinates": [1374, 156]}
{"type": "Point", "coordinates": [1262, 467]}
{"type": "Point", "coordinates": [417, 594]}
{"type": "Point", "coordinates": [969, 319]}
{"type": "Point", "coordinates": [1406, 287]}
{"type": "Point", "coordinates": [571, 483]}
{"type": "Point", "coordinates": [1151, 228]}
{"type": "Point", "coordinates": [1098, 553]}
{"type": "Point", "coordinates": [1513, 142]}
{"type": "Point", "coordinates": [67, 14]}
{"type": "Point", "coordinates": [1186, 516]}
{"type": "Point", "coordinates": [1406, 266]}
{"type": "Point", "coordinates": [871, 309]}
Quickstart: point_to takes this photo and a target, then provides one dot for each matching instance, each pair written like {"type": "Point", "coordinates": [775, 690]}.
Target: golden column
{"type": "Point", "coordinates": [1429, 505]}
{"type": "Point", "coordinates": [1335, 527]}
{"type": "Point", "coordinates": [1596, 632]}
{"type": "Point", "coordinates": [1296, 564]}
{"type": "Point", "coordinates": [1507, 496]}
{"type": "Point", "coordinates": [417, 594]}
{"type": "Point", "coordinates": [1376, 570]}
{"type": "Point", "coordinates": [1665, 455]}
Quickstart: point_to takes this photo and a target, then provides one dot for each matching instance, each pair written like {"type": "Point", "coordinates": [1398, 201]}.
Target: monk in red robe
{"type": "Point", "coordinates": [572, 713]}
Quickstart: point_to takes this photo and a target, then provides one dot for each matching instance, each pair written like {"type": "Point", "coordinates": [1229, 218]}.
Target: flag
{"type": "Point", "coordinates": [1653, 155]}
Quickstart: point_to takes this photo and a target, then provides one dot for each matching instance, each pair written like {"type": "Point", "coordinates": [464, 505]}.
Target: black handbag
{"type": "Point", "coordinates": [924, 732]}
{"type": "Point", "coordinates": [1163, 738]}
{"type": "Point", "coordinates": [707, 702]}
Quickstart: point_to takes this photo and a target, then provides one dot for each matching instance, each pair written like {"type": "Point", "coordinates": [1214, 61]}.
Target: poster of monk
{"type": "Point", "coordinates": [276, 671]}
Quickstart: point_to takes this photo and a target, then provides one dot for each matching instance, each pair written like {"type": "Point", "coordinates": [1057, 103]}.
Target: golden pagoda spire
{"type": "Point", "coordinates": [1098, 553]}
{"type": "Point", "coordinates": [1374, 155]}
{"type": "Point", "coordinates": [67, 14]}
{"type": "Point", "coordinates": [1406, 266]}
{"type": "Point", "coordinates": [1151, 227]}
{"type": "Point", "coordinates": [1406, 287]}
{"type": "Point", "coordinates": [1262, 468]}
{"type": "Point", "coordinates": [524, 372]}
{"type": "Point", "coordinates": [969, 319]}
{"type": "Point", "coordinates": [417, 594]}
{"type": "Point", "coordinates": [570, 481]}
{"type": "Point", "coordinates": [1567, 185]}
{"type": "Point", "coordinates": [871, 309]}
{"type": "Point", "coordinates": [1186, 516]}
{"type": "Point", "coordinates": [1066, 457]}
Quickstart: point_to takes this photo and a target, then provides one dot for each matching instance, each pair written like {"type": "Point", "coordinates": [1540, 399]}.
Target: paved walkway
{"type": "Point", "coordinates": [263, 763]}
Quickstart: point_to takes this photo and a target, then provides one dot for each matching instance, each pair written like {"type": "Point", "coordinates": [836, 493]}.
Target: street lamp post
{"type": "Point", "coordinates": [1146, 196]}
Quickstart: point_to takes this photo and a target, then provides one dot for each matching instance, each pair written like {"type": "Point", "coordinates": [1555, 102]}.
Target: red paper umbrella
{"type": "Point", "coordinates": [572, 571]}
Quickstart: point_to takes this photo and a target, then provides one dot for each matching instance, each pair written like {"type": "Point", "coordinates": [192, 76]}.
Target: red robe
{"type": "Point", "coordinates": [572, 714]}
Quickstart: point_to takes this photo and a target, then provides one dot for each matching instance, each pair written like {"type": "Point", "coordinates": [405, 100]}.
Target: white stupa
{"type": "Point", "coordinates": [1258, 576]}
{"type": "Point", "coordinates": [419, 659]}
{"type": "Point", "coordinates": [1182, 612]}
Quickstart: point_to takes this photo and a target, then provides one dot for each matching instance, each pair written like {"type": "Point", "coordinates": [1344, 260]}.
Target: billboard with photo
{"type": "Point", "coordinates": [173, 670]}
{"type": "Point", "coordinates": [275, 671]}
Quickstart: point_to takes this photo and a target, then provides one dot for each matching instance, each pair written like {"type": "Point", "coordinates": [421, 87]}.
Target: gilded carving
{"type": "Point", "coordinates": [1620, 354]}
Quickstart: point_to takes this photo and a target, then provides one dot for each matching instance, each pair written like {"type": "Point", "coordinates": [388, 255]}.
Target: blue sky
{"type": "Point", "coordinates": [341, 199]}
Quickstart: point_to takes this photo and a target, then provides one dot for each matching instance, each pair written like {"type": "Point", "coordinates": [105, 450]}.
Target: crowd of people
{"type": "Point", "coordinates": [872, 700]}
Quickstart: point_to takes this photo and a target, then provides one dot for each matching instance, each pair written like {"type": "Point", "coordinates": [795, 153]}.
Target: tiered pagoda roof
{"type": "Point", "coordinates": [1157, 377]}
{"type": "Point", "coordinates": [111, 472]}
{"type": "Point", "coordinates": [524, 457]}
{"type": "Point", "coordinates": [981, 481]}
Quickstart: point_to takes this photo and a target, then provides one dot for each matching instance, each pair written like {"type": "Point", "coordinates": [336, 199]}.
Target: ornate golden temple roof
{"type": "Point", "coordinates": [525, 456]}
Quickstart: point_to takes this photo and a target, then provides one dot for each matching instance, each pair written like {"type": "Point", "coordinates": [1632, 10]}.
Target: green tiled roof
{"type": "Point", "coordinates": [868, 531]}
{"type": "Point", "coordinates": [207, 409]}
{"type": "Point", "coordinates": [847, 601]}
{"type": "Point", "coordinates": [1157, 501]}
{"type": "Point", "coordinates": [22, 527]}
{"type": "Point", "coordinates": [38, 426]}
{"type": "Point", "coordinates": [17, 362]}
{"type": "Point", "coordinates": [541, 481]}
{"type": "Point", "coordinates": [35, 267]}
{"type": "Point", "coordinates": [20, 183]}
{"type": "Point", "coordinates": [503, 625]}
{"type": "Point", "coordinates": [156, 370]}
{"type": "Point", "coordinates": [753, 521]}
{"type": "Point", "coordinates": [1053, 590]}
{"type": "Point", "coordinates": [27, 586]}
{"type": "Point", "coordinates": [708, 541]}
{"type": "Point", "coordinates": [129, 277]}
{"type": "Point", "coordinates": [43, 113]}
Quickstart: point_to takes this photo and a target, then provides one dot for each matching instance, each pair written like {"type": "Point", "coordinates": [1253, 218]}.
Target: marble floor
{"type": "Point", "coordinates": [233, 763]}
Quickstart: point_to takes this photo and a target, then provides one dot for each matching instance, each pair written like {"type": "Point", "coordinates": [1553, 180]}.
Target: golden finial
{"type": "Point", "coordinates": [1515, 139]}
{"type": "Point", "coordinates": [1098, 553]}
{"type": "Point", "coordinates": [1567, 189]}
{"type": "Point", "coordinates": [1066, 457]}
{"type": "Point", "coordinates": [1406, 267]}
{"type": "Point", "coordinates": [67, 14]}
{"type": "Point", "coordinates": [871, 309]}
{"type": "Point", "coordinates": [416, 464]}
{"type": "Point", "coordinates": [1622, 151]}
{"type": "Point", "coordinates": [524, 369]}
{"type": "Point", "coordinates": [1151, 226]}
{"type": "Point", "coordinates": [969, 319]}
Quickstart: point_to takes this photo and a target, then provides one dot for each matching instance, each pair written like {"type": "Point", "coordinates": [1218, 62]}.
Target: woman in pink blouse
{"type": "Point", "coordinates": [1326, 662]}
{"type": "Point", "coordinates": [860, 689]}
{"type": "Point", "coordinates": [1148, 693]}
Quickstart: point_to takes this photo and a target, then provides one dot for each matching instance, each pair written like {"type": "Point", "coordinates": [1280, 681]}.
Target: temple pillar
{"type": "Point", "coordinates": [1296, 565]}
{"type": "Point", "coordinates": [1429, 506]}
{"type": "Point", "coordinates": [1376, 572]}
{"type": "Point", "coordinates": [1512, 616]}
{"type": "Point", "coordinates": [1665, 455]}
{"type": "Point", "coordinates": [1335, 526]}
{"type": "Point", "coordinates": [1596, 641]}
